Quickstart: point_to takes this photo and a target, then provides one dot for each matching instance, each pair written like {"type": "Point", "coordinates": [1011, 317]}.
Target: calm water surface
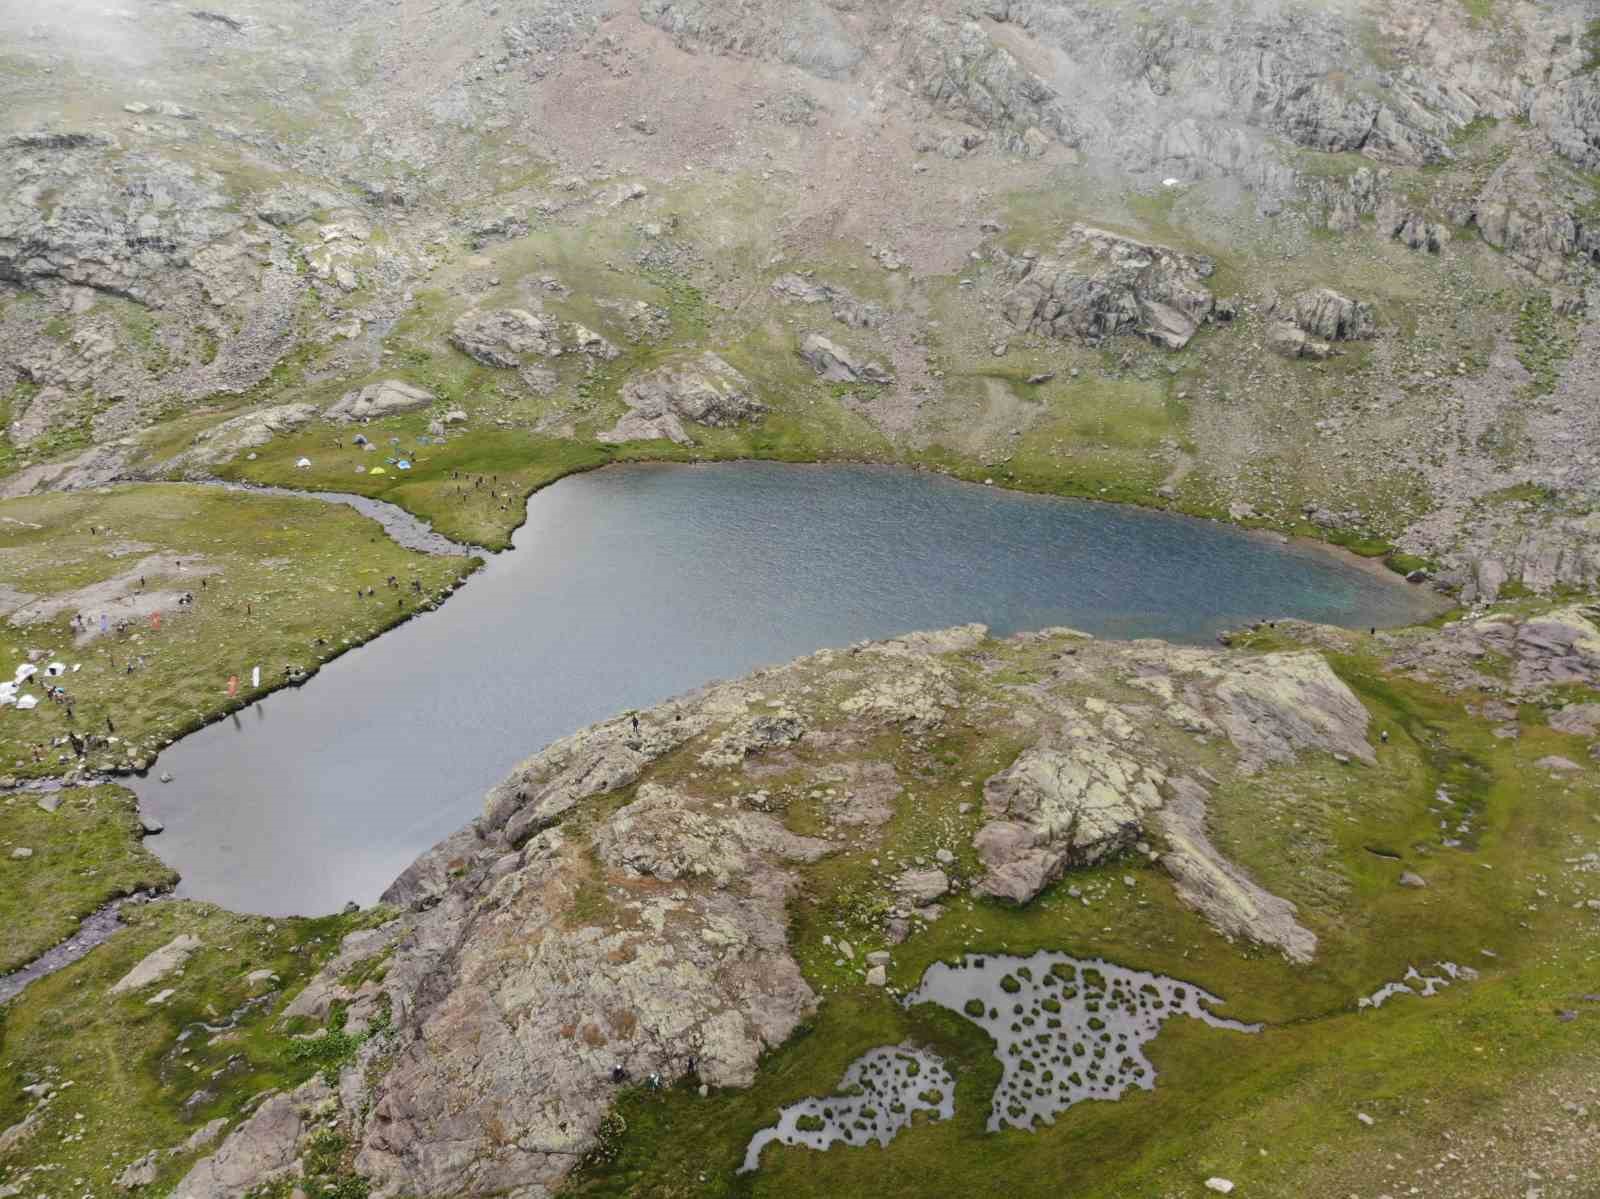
{"type": "Point", "coordinates": [633, 584]}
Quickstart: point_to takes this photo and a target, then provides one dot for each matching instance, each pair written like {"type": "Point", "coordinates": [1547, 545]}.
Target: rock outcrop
{"type": "Point", "coordinates": [1323, 312]}
{"type": "Point", "coordinates": [836, 364]}
{"type": "Point", "coordinates": [1309, 325]}
{"type": "Point", "coordinates": [1100, 285]}
{"type": "Point", "coordinates": [248, 432]}
{"type": "Point", "coordinates": [705, 391]}
{"type": "Point", "coordinates": [504, 337]}
{"type": "Point", "coordinates": [622, 909]}
{"type": "Point", "coordinates": [378, 400]}
{"type": "Point", "coordinates": [157, 965]}
{"type": "Point", "coordinates": [1051, 810]}
{"type": "Point", "coordinates": [847, 310]}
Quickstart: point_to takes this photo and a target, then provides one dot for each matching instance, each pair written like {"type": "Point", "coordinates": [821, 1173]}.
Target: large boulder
{"type": "Point", "coordinates": [1052, 809]}
{"type": "Point", "coordinates": [705, 391]}
{"type": "Point", "coordinates": [503, 337]}
{"type": "Point", "coordinates": [1324, 313]}
{"type": "Point", "coordinates": [836, 364]}
{"type": "Point", "coordinates": [377, 400]}
{"type": "Point", "coordinates": [249, 431]}
{"type": "Point", "coordinates": [157, 964]}
{"type": "Point", "coordinates": [1101, 285]}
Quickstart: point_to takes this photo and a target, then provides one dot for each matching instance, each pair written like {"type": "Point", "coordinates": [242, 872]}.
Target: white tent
{"type": "Point", "coordinates": [303, 463]}
{"type": "Point", "coordinates": [28, 701]}
{"type": "Point", "coordinates": [55, 670]}
{"type": "Point", "coordinates": [25, 672]}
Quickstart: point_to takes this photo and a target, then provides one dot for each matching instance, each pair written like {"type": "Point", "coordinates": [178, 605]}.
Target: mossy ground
{"type": "Point", "coordinates": [126, 1081]}
{"type": "Point", "coordinates": [85, 853]}
{"type": "Point", "coordinates": [1422, 1068]}
{"type": "Point", "coordinates": [283, 593]}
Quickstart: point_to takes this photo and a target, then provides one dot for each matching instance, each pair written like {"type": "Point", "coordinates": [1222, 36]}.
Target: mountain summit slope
{"type": "Point", "coordinates": [1318, 266]}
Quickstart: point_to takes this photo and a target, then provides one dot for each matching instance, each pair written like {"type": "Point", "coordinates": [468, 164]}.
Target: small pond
{"type": "Point", "coordinates": [629, 585]}
{"type": "Point", "coordinates": [1065, 1029]}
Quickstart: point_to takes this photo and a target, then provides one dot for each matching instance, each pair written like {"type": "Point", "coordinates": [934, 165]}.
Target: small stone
{"type": "Point", "coordinates": [877, 977]}
{"type": "Point", "coordinates": [944, 857]}
{"type": "Point", "coordinates": [49, 803]}
{"type": "Point", "coordinates": [150, 825]}
{"type": "Point", "coordinates": [1221, 1186]}
{"type": "Point", "coordinates": [1412, 879]}
{"type": "Point", "coordinates": [1365, 1119]}
{"type": "Point", "coordinates": [21, 854]}
{"type": "Point", "coordinates": [878, 957]}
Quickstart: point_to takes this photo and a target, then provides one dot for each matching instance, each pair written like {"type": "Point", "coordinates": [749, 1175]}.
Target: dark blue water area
{"type": "Point", "coordinates": [632, 584]}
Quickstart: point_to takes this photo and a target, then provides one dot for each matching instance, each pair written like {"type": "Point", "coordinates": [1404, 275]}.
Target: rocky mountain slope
{"type": "Point", "coordinates": [1321, 266]}
{"type": "Point", "coordinates": [1328, 268]}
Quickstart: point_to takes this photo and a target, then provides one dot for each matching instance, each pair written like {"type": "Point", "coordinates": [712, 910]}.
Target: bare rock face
{"type": "Point", "coordinates": [262, 1150]}
{"type": "Point", "coordinates": [377, 400]}
{"type": "Point", "coordinates": [516, 1011]}
{"type": "Point", "coordinates": [836, 364]}
{"type": "Point", "coordinates": [706, 391]}
{"type": "Point", "coordinates": [969, 76]}
{"type": "Point", "coordinates": [1537, 218]}
{"type": "Point", "coordinates": [847, 310]}
{"type": "Point", "coordinates": [592, 762]}
{"type": "Point", "coordinates": [921, 887]}
{"type": "Point", "coordinates": [503, 337]}
{"type": "Point", "coordinates": [754, 735]}
{"type": "Point", "coordinates": [1275, 706]}
{"type": "Point", "coordinates": [807, 34]}
{"type": "Point", "coordinates": [249, 431]}
{"type": "Point", "coordinates": [1291, 341]}
{"type": "Point", "coordinates": [1103, 285]}
{"type": "Point", "coordinates": [157, 964]}
{"type": "Point", "coordinates": [1309, 325]}
{"type": "Point", "coordinates": [1210, 884]}
{"type": "Point", "coordinates": [1052, 809]}
{"type": "Point", "coordinates": [1552, 649]}
{"type": "Point", "coordinates": [1324, 313]}
{"type": "Point", "coordinates": [95, 467]}
{"type": "Point", "coordinates": [664, 835]}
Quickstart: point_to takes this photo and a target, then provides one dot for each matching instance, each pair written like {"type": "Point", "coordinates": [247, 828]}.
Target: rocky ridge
{"type": "Point", "coordinates": [613, 915]}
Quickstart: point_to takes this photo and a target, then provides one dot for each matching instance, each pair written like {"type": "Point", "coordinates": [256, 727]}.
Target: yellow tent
{"type": "Point", "coordinates": [377, 470]}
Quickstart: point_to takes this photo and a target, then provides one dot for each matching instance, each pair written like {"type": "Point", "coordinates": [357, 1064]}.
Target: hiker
{"type": "Point", "coordinates": [110, 728]}
{"type": "Point", "coordinates": [1383, 736]}
{"type": "Point", "coordinates": [636, 723]}
{"type": "Point", "coordinates": [618, 1074]}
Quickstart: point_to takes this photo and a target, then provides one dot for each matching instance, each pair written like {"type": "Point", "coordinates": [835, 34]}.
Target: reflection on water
{"type": "Point", "coordinates": [1065, 1029]}
{"type": "Point", "coordinates": [880, 1093]}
